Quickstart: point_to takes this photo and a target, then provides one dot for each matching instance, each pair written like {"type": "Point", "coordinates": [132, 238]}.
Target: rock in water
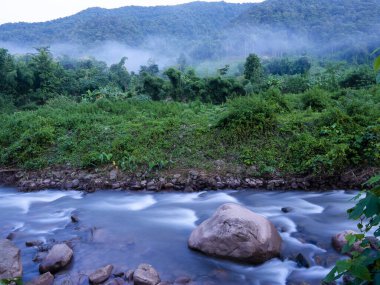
{"type": "Point", "coordinates": [339, 241]}
{"type": "Point", "coordinates": [10, 260]}
{"type": "Point", "coordinates": [44, 279]}
{"type": "Point", "coordinates": [101, 275]}
{"type": "Point", "coordinates": [237, 233]}
{"type": "Point", "coordinates": [58, 257]}
{"type": "Point", "coordinates": [145, 274]}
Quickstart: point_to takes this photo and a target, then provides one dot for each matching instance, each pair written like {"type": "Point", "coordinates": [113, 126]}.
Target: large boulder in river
{"type": "Point", "coordinates": [58, 257]}
{"type": "Point", "coordinates": [237, 233]}
{"type": "Point", "coordinates": [10, 260]}
{"type": "Point", "coordinates": [145, 274]}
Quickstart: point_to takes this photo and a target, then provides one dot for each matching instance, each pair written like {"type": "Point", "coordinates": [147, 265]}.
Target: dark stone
{"type": "Point", "coordinates": [11, 236]}
{"type": "Point", "coordinates": [287, 209]}
{"type": "Point", "coordinates": [33, 243]}
{"type": "Point", "coordinates": [302, 261]}
{"type": "Point", "coordinates": [74, 218]}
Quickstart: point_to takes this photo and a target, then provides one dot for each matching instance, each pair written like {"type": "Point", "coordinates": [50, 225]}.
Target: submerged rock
{"type": "Point", "coordinates": [44, 279]}
{"type": "Point", "coordinates": [10, 260]}
{"type": "Point", "coordinates": [58, 257]}
{"type": "Point", "coordinates": [237, 233]}
{"type": "Point", "coordinates": [302, 261]}
{"type": "Point", "coordinates": [101, 274]}
{"type": "Point", "coordinates": [33, 243]}
{"type": "Point", "coordinates": [145, 274]}
{"type": "Point", "coordinates": [286, 209]}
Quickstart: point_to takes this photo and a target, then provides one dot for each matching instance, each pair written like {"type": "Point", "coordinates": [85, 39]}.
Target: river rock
{"type": "Point", "coordinates": [32, 243]}
{"type": "Point", "coordinates": [44, 279]}
{"type": "Point", "coordinates": [302, 261]}
{"type": "Point", "coordinates": [339, 241]}
{"type": "Point", "coordinates": [101, 274]}
{"type": "Point", "coordinates": [145, 274]}
{"type": "Point", "coordinates": [58, 257]}
{"type": "Point", "coordinates": [10, 260]}
{"type": "Point", "coordinates": [237, 233]}
{"type": "Point", "coordinates": [286, 209]}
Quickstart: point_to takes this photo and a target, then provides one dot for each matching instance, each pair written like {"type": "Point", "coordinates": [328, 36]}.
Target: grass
{"type": "Point", "coordinates": [271, 134]}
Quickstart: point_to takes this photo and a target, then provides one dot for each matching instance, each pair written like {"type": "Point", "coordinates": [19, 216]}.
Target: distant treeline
{"type": "Point", "coordinates": [31, 80]}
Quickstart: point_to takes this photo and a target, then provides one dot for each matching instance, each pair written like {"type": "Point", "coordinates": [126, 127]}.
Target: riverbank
{"type": "Point", "coordinates": [189, 180]}
{"type": "Point", "coordinates": [268, 140]}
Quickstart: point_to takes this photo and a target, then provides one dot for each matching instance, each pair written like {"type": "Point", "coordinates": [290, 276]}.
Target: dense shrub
{"type": "Point", "coordinates": [248, 115]}
{"type": "Point", "coordinates": [316, 99]}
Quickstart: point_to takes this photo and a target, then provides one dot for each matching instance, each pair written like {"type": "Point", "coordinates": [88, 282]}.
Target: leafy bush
{"type": "Point", "coordinates": [316, 99]}
{"type": "Point", "coordinates": [363, 267]}
{"type": "Point", "coordinates": [246, 116]}
{"type": "Point", "coordinates": [295, 84]}
{"type": "Point", "coordinates": [359, 78]}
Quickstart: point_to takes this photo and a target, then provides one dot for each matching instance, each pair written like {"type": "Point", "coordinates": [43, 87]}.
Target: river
{"type": "Point", "coordinates": [129, 228]}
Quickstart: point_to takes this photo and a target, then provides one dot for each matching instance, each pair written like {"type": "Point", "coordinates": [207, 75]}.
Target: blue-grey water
{"type": "Point", "coordinates": [129, 228]}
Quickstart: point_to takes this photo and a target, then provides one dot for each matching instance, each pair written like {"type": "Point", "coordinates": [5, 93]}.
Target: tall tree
{"type": "Point", "coordinates": [253, 70]}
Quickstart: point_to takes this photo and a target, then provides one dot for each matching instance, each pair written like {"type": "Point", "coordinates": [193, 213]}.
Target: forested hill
{"type": "Point", "coordinates": [320, 20]}
{"type": "Point", "coordinates": [131, 25]}
{"type": "Point", "coordinates": [205, 30]}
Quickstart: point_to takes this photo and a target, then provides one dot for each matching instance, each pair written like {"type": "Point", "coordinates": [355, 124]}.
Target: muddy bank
{"type": "Point", "coordinates": [183, 180]}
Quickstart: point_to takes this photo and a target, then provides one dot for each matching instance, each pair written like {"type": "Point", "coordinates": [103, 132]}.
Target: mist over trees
{"type": "Point", "coordinates": [341, 29]}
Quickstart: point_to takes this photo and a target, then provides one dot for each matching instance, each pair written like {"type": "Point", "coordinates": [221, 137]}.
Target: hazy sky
{"type": "Point", "coordinates": [44, 10]}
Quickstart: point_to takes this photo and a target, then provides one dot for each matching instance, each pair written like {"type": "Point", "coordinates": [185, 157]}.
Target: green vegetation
{"type": "Point", "coordinates": [86, 114]}
{"type": "Point", "coordinates": [363, 266]}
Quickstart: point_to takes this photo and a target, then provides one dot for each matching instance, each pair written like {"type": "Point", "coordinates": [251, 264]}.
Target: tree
{"type": "Point", "coordinates": [253, 70]}
{"type": "Point", "coordinates": [119, 74]}
{"type": "Point", "coordinates": [153, 86]}
{"type": "Point", "coordinates": [175, 78]}
{"type": "Point", "coordinates": [8, 72]}
{"type": "Point", "coordinates": [224, 70]}
{"type": "Point", "coordinates": [151, 68]}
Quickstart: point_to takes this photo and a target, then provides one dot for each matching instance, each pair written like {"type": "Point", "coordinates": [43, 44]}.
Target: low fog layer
{"type": "Point", "coordinates": [234, 44]}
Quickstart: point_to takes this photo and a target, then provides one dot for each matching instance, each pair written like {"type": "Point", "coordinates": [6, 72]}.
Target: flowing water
{"type": "Point", "coordinates": [128, 228]}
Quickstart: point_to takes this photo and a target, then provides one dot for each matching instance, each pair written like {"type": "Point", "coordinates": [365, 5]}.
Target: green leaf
{"type": "Point", "coordinates": [374, 179]}
{"type": "Point", "coordinates": [361, 272]}
{"type": "Point", "coordinates": [372, 207]}
{"type": "Point", "coordinates": [376, 64]}
{"type": "Point", "coordinates": [351, 239]}
{"type": "Point", "coordinates": [343, 265]}
{"type": "Point", "coordinates": [332, 276]}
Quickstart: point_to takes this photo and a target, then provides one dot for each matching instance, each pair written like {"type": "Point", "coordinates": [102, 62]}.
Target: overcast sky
{"type": "Point", "coordinates": [44, 10]}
